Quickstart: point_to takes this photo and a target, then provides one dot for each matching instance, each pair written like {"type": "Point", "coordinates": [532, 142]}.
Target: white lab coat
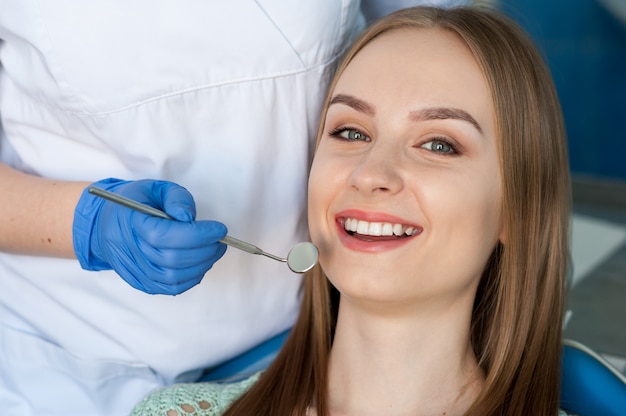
{"type": "Point", "coordinates": [220, 97]}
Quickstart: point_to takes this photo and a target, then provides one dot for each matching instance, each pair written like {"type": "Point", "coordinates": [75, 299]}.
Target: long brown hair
{"type": "Point", "coordinates": [517, 316]}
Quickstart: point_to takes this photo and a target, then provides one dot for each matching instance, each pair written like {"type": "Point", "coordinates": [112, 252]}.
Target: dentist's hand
{"type": "Point", "coordinates": [154, 255]}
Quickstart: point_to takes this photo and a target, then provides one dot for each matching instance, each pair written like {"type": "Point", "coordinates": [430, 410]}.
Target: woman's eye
{"type": "Point", "coordinates": [352, 135]}
{"type": "Point", "coordinates": [439, 146]}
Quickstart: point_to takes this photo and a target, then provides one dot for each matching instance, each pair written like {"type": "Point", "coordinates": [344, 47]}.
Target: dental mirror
{"type": "Point", "coordinates": [301, 258]}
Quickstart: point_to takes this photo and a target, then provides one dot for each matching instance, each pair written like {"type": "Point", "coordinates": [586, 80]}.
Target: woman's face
{"type": "Point", "coordinates": [405, 188]}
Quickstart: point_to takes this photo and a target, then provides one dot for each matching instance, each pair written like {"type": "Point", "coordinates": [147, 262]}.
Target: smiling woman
{"type": "Point", "coordinates": [427, 160]}
{"type": "Point", "coordinates": [439, 201]}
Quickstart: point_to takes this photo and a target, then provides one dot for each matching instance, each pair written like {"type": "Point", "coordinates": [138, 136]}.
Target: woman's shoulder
{"type": "Point", "coordinates": [201, 399]}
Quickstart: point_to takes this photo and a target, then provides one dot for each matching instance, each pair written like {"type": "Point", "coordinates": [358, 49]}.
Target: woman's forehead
{"type": "Point", "coordinates": [419, 68]}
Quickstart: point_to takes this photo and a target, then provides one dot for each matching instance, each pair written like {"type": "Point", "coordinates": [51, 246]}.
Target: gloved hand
{"type": "Point", "coordinates": [154, 255]}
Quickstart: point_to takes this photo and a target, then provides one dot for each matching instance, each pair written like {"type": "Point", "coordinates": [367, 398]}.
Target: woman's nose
{"type": "Point", "coordinates": [377, 172]}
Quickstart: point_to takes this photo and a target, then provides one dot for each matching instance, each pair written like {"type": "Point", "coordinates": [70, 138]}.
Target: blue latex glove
{"type": "Point", "coordinates": [154, 255]}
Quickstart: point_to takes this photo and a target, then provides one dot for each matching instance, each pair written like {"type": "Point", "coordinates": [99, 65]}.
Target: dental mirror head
{"type": "Point", "coordinates": [302, 257]}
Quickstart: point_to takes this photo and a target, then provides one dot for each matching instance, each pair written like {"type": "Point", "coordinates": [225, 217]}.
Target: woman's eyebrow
{"type": "Point", "coordinates": [430, 113]}
{"type": "Point", "coordinates": [355, 103]}
{"type": "Point", "coordinates": [443, 113]}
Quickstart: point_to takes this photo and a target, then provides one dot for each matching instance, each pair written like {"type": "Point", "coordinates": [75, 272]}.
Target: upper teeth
{"type": "Point", "coordinates": [377, 228]}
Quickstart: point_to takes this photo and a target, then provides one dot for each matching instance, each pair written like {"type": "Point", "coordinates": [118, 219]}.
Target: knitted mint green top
{"type": "Point", "coordinates": [197, 399]}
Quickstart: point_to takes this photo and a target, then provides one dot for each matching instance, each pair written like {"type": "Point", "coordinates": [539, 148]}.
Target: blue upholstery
{"type": "Point", "coordinates": [590, 386]}
{"type": "Point", "coordinates": [248, 363]}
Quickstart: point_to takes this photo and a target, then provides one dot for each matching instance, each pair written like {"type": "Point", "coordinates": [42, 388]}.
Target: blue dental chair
{"type": "Point", "coordinates": [248, 363]}
{"type": "Point", "coordinates": [590, 386]}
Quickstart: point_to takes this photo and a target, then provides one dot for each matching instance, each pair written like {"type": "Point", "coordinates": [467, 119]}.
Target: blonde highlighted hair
{"type": "Point", "coordinates": [518, 310]}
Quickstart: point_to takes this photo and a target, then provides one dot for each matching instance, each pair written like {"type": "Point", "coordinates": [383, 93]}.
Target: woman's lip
{"type": "Point", "coordinates": [372, 244]}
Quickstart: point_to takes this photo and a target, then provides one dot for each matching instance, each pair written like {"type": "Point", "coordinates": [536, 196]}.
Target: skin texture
{"type": "Point", "coordinates": [409, 139]}
{"type": "Point", "coordinates": [38, 221]}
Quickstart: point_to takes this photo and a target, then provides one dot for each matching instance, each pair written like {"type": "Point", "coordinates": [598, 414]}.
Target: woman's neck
{"type": "Point", "coordinates": [400, 362]}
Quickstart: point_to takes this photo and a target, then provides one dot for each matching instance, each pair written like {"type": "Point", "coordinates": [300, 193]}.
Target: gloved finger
{"type": "Point", "coordinates": [171, 286]}
{"type": "Point", "coordinates": [176, 201]}
{"type": "Point", "coordinates": [180, 258]}
{"type": "Point", "coordinates": [161, 234]}
{"type": "Point", "coordinates": [167, 196]}
{"type": "Point", "coordinates": [158, 288]}
{"type": "Point", "coordinates": [152, 277]}
{"type": "Point", "coordinates": [130, 268]}
{"type": "Point", "coordinates": [182, 276]}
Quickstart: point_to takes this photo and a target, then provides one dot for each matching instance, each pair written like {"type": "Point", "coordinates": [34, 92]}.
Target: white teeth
{"type": "Point", "coordinates": [377, 228]}
{"type": "Point", "coordinates": [362, 227]}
